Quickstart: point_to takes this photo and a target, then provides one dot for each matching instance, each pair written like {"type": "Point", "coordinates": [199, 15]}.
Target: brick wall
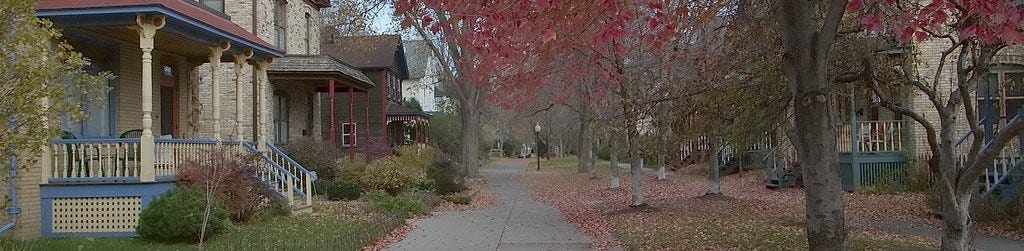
{"type": "Point", "coordinates": [241, 13]}
{"type": "Point", "coordinates": [928, 56]}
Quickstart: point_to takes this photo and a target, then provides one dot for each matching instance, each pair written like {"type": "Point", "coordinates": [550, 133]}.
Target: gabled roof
{"type": "Point", "coordinates": [418, 54]}
{"type": "Point", "coordinates": [318, 64]}
{"type": "Point", "coordinates": [182, 15]}
{"type": "Point", "coordinates": [369, 52]}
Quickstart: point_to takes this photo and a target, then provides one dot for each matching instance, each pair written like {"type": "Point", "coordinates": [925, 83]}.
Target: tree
{"type": "Point", "coordinates": [43, 79]}
{"type": "Point", "coordinates": [972, 33]}
{"type": "Point", "coordinates": [509, 40]}
{"type": "Point", "coordinates": [809, 29]}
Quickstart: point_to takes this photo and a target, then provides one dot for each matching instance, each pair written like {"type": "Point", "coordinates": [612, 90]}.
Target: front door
{"type": "Point", "coordinates": [169, 99]}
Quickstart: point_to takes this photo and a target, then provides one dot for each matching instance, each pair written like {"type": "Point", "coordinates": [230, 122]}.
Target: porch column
{"type": "Point", "coordinates": [263, 98]}
{"type": "Point", "coordinates": [351, 124]}
{"type": "Point", "coordinates": [147, 27]}
{"type": "Point", "coordinates": [215, 54]}
{"type": "Point", "coordinates": [330, 93]}
{"type": "Point", "coordinates": [239, 63]}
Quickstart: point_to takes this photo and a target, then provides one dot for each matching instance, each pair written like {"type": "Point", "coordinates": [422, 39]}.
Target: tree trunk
{"type": "Point", "coordinates": [805, 58]}
{"type": "Point", "coordinates": [663, 132]}
{"type": "Point", "coordinates": [714, 170]}
{"type": "Point", "coordinates": [613, 163]}
{"type": "Point", "coordinates": [956, 221]}
{"type": "Point", "coordinates": [583, 147]}
{"type": "Point", "coordinates": [470, 119]}
{"type": "Point", "coordinates": [636, 198]}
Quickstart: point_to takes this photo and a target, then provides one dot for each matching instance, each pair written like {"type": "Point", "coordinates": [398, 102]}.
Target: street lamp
{"type": "Point", "coordinates": [536, 139]}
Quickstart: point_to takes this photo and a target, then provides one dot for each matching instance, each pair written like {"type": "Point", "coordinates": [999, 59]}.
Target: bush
{"type": "Point", "coordinates": [339, 190]}
{"type": "Point", "coordinates": [427, 199]}
{"type": "Point", "coordinates": [177, 216]}
{"type": "Point", "coordinates": [316, 155]}
{"type": "Point", "coordinates": [396, 205]}
{"type": "Point", "coordinates": [416, 157]}
{"type": "Point", "coordinates": [446, 175]}
{"type": "Point", "coordinates": [389, 175]}
{"type": "Point", "coordinates": [352, 169]}
{"type": "Point", "coordinates": [423, 185]}
{"type": "Point", "coordinates": [233, 180]}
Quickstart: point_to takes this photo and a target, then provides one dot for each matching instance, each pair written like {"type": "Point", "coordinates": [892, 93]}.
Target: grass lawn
{"type": "Point", "coordinates": [306, 232]}
{"type": "Point", "coordinates": [563, 165]}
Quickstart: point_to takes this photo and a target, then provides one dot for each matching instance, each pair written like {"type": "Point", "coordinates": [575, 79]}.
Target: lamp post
{"type": "Point", "coordinates": [536, 139]}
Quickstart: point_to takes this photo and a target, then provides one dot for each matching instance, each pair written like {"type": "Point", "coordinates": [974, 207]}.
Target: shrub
{"type": "Point", "coordinates": [339, 190]}
{"type": "Point", "coordinates": [232, 179]}
{"type": "Point", "coordinates": [352, 168]}
{"type": "Point", "coordinates": [416, 157]}
{"type": "Point", "coordinates": [177, 216]}
{"type": "Point", "coordinates": [316, 155]}
{"type": "Point", "coordinates": [423, 184]}
{"type": "Point", "coordinates": [427, 199]}
{"type": "Point", "coordinates": [389, 175]}
{"type": "Point", "coordinates": [446, 175]}
{"type": "Point", "coordinates": [396, 205]}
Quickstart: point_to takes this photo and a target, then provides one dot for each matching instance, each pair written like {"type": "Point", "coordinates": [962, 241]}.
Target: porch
{"type": "Point", "coordinates": [98, 177]}
{"type": "Point", "coordinates": [870, 151]}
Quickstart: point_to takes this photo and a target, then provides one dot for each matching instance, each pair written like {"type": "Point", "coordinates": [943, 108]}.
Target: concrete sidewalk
{"type": "Point", "coordinates": [515, 223]}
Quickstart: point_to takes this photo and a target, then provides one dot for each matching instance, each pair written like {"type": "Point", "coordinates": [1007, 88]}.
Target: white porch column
{"type": "Point", "coordinates": [239, 63]}
{"type": "Point", "coordinates": [264, 99]}
{"type": "Point", "coordinates": [215, 54]}
{"type": "Point", "coordinates": [147, 30]}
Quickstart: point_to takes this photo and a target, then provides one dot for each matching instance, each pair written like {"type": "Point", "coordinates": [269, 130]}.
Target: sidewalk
{"type": "Point", "coordinates": [515, 223]}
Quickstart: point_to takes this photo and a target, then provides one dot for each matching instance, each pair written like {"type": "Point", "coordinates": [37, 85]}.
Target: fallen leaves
{"type": "Point", "coordinates": [748, 217]}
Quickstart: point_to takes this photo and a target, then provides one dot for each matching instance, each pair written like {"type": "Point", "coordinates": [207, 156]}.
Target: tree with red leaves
{"type": "Point", "coordinates": [971, 34]}
{"type": "Point", "coordinates": [513, 41]}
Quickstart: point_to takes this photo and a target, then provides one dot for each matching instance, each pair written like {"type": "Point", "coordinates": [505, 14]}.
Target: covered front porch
{"type": "Point", "coordinates": [407, 126]}
{"type": "Point", "coordinates": [130, 147]}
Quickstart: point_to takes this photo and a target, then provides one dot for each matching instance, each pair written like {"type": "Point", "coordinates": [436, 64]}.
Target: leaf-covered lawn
{"type": "Point", "coordinates": [331, 228]}
{"type": "Point", "coordinates": [749, 217]}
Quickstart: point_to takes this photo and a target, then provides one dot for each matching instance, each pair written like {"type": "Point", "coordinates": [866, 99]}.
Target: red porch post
{"type": "Point", "coordinates": [330, 89]}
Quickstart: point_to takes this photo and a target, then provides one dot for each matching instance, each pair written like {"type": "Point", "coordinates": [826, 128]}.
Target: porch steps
{"type": "Point", "coordinates": [292, 182]}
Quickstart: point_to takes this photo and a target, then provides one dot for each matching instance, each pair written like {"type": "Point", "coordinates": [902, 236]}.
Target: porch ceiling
{"type": "Point", "coordinates": [191, 50]}
{"type": "Point", "coordinates": [189, 28]}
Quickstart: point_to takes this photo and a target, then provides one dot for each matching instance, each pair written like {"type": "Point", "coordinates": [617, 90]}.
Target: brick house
{"type": "Point", "coordinates": [191, 76]}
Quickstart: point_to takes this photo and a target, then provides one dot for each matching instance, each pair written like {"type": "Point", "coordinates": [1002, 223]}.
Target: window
{"type": "Point", "coordinates": [279, 24]}
{"type": "Point", "coordinates": [309, 34]}
{"type": "Point", "coordinates": [280, 119]}
{"type": "Point", "coordinates": [98, 122]}
{"type": "Point", "coordinates": [348, 134]}
{"type": "Point", "coordinates": [1006, 88]}
{"type": "Point", "coordinates": [217, 5]}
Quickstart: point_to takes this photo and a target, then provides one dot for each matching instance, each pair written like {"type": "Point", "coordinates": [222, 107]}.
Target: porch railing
{"type": "Point", "coordinates": [282, 180]}
{"type": "Point", "coordinates": [118, 160]}
{"type": "Point", "coordinates": [95, 159]}
{"type": "Point", "coordinates": [872, 136]}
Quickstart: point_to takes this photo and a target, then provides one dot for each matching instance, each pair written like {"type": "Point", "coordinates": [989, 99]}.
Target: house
{"type": "Point", "coordinates": [424, 76]}
{"type": "Point", "coordinates": [192, 76]}
{"type": "Point", "coordinates": [357, 117]}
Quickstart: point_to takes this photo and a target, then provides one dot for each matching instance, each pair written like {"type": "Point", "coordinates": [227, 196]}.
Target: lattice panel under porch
{"type": "Point", "coordinates": [91, 215]}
